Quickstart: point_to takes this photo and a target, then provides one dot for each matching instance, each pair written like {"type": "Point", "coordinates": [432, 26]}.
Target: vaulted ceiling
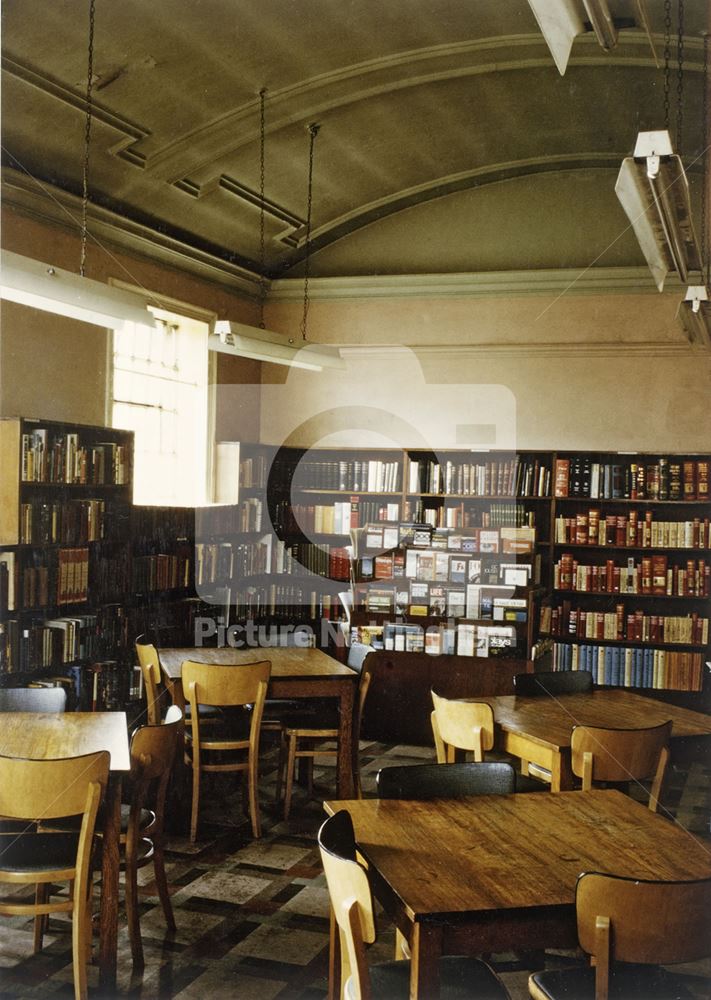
{"type": "Point", "coordinates": [448, 140]}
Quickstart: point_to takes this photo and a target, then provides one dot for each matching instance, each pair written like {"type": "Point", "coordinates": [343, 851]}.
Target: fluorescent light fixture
{"type": "Point", "coordinates": [64, 293]}
{"type": "Point", "coordinates": [560, 21]}
{"type": "Point", "coordinates": [654, 192]}
{"type": "Point", "coordinates": [262, 345]}
{"type": "Point", "coordinates": [694, 314]}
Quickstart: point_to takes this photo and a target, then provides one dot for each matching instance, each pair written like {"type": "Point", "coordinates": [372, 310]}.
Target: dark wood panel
{"type": "Point", "coordinates": [399, 704]}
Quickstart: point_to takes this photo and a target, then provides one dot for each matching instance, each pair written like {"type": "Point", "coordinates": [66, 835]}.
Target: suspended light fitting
{"type": "Point", "coordinates": [263, 345]}
{"type": "Point", "coordinates": [65, 293]}
{"type": "Point", "coordinates": [694, 315]}
{"type": "Point", "coordinates": [561, 21]}
{"type": "Point", "coordinates": [654, 192]}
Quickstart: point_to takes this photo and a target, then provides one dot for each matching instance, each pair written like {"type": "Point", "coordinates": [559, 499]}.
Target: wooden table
{"type": "Point", "coordinates": [498, 872]}
{"type": "Point", "coordinates": [538, 729]}
{"type": "Point", "coordinates": [71, 734]}
{"type": "Point", "coordinates": [296, 673]}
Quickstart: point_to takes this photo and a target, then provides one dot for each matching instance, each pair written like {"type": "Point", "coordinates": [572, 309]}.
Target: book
{"type": "Point", "coordinates": [561, 476]}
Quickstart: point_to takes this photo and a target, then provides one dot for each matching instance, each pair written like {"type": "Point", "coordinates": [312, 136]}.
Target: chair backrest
{"type": "Point", "coordinates": [648, 922]}
{"type": "Point", "coordinates": [48, 789]}
{"type": "Point", "coordinates": [445, 781]}
{"type": "Point", "coordinates": [33, 699]}
{"type": "Point", "coordinates": [223, 685]}
{"type": "Point", "coordinates": [174, 714]}
{"type": "Point", "coordinates": [599, 754]}
{"type": "Point", "coordinates": [548, 682]}
{"type": "Point", "coordinates": [153, 749]}
{"type": "Point", "coordinates": [357, 654]}
{"type": "Point", "coordinates": [152, 680]}
{"type": "Point", "coordinates": [461, 725]}
{"type": "Point", "coordinates": [351, 898]}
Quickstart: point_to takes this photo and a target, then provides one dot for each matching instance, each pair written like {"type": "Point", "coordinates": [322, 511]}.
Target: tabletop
{"type": "Point", "coordinates": [551, 719]}
{"type": "Point", "coordinates": [448, 859]}
{"type": "Point", "coordinates": [286, 661]}
{"type": "Point", "coordinates": [66, 734]}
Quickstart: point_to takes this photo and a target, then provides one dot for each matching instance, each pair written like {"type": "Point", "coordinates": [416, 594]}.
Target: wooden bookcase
{"type": "Point", "coordinates": [65, 511]}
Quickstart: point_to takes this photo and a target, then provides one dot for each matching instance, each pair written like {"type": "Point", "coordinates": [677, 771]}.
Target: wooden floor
{"type": "Point", "coordinates": [252, 915]}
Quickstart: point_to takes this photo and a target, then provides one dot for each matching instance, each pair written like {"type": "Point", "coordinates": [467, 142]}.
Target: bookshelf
{"type": "Point", "coordinates": [631, 558]}
{"type": "Point", "coordinates": [64, 537]}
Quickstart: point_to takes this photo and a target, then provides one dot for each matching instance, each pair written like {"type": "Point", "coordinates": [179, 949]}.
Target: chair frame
{"type": "Point", "coordinates": [153, 752]}
{"type": "Point", "coordinates": [295, 752]}
{"type": "Point", "coordinates": [617, 755]}
{"type": "Point", "coordinates": [46, 699]}
{"type": "Point", "coordinates": [613, 917]}
{"type": "Point", "coordinates": [149, 663]}
{"type": "Point", "coordinates": [461, 725]}
{"type": "Point", "coordinates": [48, 790]}
{"type": "Point", "coordinates": [223, 685]}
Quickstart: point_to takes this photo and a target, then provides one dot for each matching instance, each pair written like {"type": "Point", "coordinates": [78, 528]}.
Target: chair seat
{"type": "Point", "coordinates": [204, 711]}
{"type": "Point", "coordinates": [38, 852]}
{"type": "Point", "coordinates": [460, 979]}
{"type": "Point", "coordinates": [147, 817]}
{"type": "Point", "coordinates": [628, 982]}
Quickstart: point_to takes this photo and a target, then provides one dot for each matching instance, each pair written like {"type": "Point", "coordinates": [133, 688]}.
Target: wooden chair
{"type": "Point", "coordinates": [352, 905]}
{"type": "Point", "coordinates": [304, 738]}
{"type": "Point", "coordinates": [153, 750]}
{"type": "Point", "coordinates": [621, 755]}
{"type": "Point", "coordinates": [459, 725]}
{"type": "Point", "coordinates": [45, 790]}
{"type": "Point", "coordinates": [624, 920]}
{"type": "Point", "coordinates": [553, 682]}
{"type": "Point", "coordinates": [235, 685]}
{"type": "Point", "coordinates": [52, 699]}
{"type": "Point", "coordinates": [445, 781]}
{"type": "Point", "coordinates": [157, 695]}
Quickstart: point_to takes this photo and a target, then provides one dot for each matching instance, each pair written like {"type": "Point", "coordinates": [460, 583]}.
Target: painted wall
{"type": "Point", "coordinates": [585, 371]}
{"type": "Point", "coordinates": [56, 368]}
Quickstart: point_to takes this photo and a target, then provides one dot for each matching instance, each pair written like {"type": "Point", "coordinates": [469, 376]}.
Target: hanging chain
{"type": "Point", "coordinates": [87, 138]}
{"type": "Point", "coordinates": [262, 250]}
{"type": "Point", "coordinates": [680, 77]}
{"type": "Point", "coordinates": [313, 132]}
{"type": "Point", "coordinates": [706, 175]}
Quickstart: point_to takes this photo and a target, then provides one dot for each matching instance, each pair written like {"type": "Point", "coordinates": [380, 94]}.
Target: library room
{"type": "Point", "coordinates": [355, 524]}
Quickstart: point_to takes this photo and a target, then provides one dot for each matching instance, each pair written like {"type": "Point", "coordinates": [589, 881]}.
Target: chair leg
{"type": "Point", "coordinates": [196, 804]}
{"type": "Point", "coordinates": [162, 883]}
{"type": "Point", "coordinates": [79, 938]}
{"type": "Point", "coordinates": [132, 918]}
{"type": "Point", "coordinates": [253, 783]}
{"type": "Point", "coordinates": [42, 919]}
{"type": "Point", "coordinates": [290, 764]}
{"type": "Point", "coordinates": [281, 766]}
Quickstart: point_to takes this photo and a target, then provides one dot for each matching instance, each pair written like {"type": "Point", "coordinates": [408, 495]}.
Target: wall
{"type": "Point", "coordinates": [577, 371]}
{"type": "Point", "coordinates": [55, 368]}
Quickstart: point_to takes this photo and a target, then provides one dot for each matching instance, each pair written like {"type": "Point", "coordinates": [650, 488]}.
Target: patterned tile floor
{"type": "Point", "coordinates": [252, 916]}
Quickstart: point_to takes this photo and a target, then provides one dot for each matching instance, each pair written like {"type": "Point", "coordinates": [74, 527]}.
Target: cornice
{"type": "Point", "coordinates": [602, 349]}
{"type": "Point", "coordinates": [52, 205]}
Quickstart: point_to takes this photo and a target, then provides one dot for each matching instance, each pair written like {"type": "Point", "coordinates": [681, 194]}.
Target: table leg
{"type": "Point", "coordinates": [346, 743]}
{"type": "Point", "coordinates": [426, 950]}
{"type": "Point", "coordinates": [561, 773]}
{"type": "Point", "coordinates": [108, 914]}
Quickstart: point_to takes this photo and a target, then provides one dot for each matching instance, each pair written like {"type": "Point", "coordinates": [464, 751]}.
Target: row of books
{"type": "Point", "coordinates": [291, 603]}
{"type": "Point", "coordinates": [70, 522]}
{"type": "Point", "coordinates": [441, 567]}
{"type": "Point", "coordinates": [349, 475]}
{"type": "Point", "coordinates": [621, 625]}
{"type": "Point", "coordinates": [508, 540]}
{"type": "Point", "coordinates": [474, 601]}
{"type": "Point", "coordinates": [632, 479]}
{"type": "Point", "coordinates": [508, 477]}
{"type": "Point", "coordinates": [632, 530]}
{"type": "Point", "coordinates": [50, 643]}
{"type": "Point", "coordinates": [66, 458]}
{"type": "Point", "coordinates": [163, 571]}
{"type": "Point", "coordinates": [458, 640]}
{"type": "Point", "coordinates": [616, 666]}
{"type": "Point", "coordinates": [463, 515]}
{"type": "Point", "coordinates": [253, 471]}
{"type": "Point", "coordinates": [651, 575]}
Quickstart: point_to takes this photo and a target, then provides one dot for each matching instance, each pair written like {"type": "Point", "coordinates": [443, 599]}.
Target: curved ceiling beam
{"type": "Point", "coordinates": [307, 100]}
{"type": "Point", "coordinates": [347, 224]}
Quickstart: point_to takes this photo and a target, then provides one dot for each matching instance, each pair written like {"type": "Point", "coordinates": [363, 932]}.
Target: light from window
{"type": "Point", "coordinates": [160, 393]}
